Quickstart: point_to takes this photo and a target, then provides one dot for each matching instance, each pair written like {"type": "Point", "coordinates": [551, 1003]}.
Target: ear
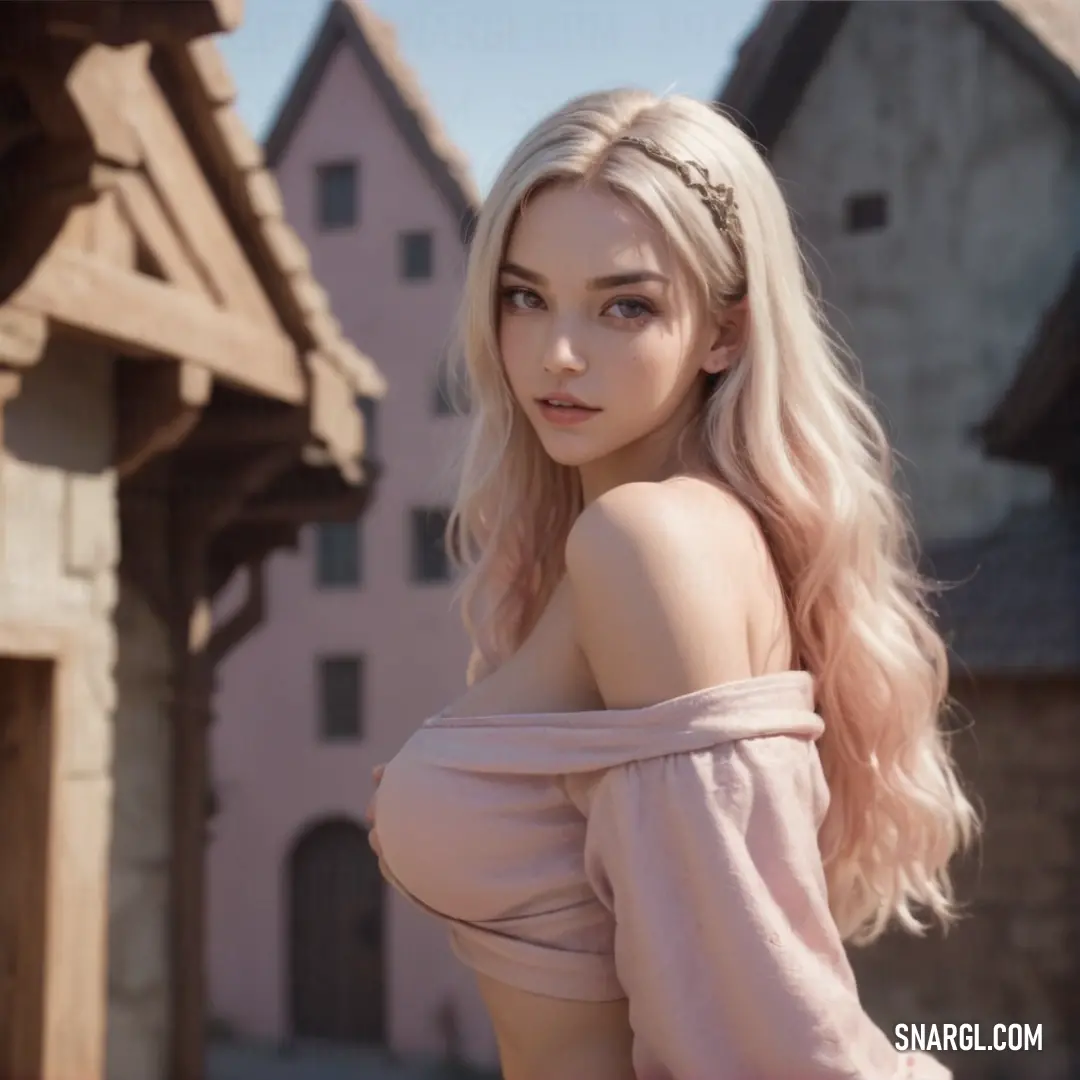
{"type": "Point", "coordinates": [730, 334]}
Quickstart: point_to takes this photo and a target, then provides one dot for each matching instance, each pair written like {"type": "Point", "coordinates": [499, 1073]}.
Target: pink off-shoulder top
{"type": "Point", "coordinates": [666, 854]}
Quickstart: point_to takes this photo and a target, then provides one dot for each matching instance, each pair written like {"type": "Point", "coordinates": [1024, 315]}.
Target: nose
{"type": "Point", "coordinates": [562, 357]}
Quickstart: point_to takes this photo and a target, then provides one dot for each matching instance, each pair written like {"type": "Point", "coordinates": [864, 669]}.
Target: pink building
{"type": "Point", "coordinates": [360, 641]}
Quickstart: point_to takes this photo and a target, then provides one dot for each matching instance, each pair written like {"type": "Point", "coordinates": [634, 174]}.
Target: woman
{"type": "Point", "coordinates": [701, 743]}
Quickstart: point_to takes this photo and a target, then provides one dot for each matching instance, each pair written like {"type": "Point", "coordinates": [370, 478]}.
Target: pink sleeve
{"type": "Point", "coordinates": [724, 943]}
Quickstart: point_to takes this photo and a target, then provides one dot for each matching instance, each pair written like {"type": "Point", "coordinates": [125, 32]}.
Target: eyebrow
{"type": "Point", "coordinates": [610, 281]}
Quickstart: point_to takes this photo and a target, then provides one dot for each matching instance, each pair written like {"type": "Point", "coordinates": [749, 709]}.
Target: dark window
{"type": "Point", "coordinates": [341, 690]}
{"type": "Point", "coordinates": [337, 554]}
{"type": "Point", "coordinates": [430, 561]}
{"type": "Point", "coordinates": [865, 213]}
{"type": "Point", "coordinates": [369, 409]}
{"type": "Point", "coordinates": [416, 256]}
{"type": "Point", "coordinates": [337, 194]}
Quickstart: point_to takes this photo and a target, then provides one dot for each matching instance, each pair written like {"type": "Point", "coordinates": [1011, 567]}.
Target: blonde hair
{"type": "Point", "coordinates": [790, 434]}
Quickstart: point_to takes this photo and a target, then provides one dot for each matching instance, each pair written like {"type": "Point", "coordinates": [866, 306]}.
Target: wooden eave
{"type": "Point", "coordinates": [121, 22]}
{"type": "Point", "coordinates": [139, 213]}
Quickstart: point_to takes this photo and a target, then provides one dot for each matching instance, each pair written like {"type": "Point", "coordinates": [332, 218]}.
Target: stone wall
{"type": "Point", "coordinates": [980, 175]}
{"type": "Point", "coordinates": [59, 551]}
{"type": "Point", "coordinates": [59, 567]}
{"type": "Point", "coordinates": [59, 538]}
{"type": "Point", "coordinates": [1013, 958]}
{"type": "Point", "coordinates": [139, 882]}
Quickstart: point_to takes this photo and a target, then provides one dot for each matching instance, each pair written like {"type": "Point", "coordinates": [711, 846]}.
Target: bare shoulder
{"type": "Point", "coordinates": [682, 510]}
{"type": "Point", "coordinates": [668, 581]}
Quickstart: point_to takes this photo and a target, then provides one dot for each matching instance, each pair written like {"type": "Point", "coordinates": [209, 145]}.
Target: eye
{"type": "Point", "coordinates": [632, 308]}
{"type": "Point", "coordinates": [518, 298]}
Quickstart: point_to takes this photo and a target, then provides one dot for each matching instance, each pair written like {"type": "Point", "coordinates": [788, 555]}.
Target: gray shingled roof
{"type": "Point", "coordinates": [1013, 601]}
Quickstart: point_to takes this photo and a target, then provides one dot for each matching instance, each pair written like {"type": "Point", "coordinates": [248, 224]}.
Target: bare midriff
{"type": "Point", "coordinates": [544, 1038]}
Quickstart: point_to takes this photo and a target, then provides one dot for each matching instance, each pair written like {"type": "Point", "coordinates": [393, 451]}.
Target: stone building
{"type": "Point", "coordinates": [931, 154]}
{"type": "Point", "coordinates": [176, 398]}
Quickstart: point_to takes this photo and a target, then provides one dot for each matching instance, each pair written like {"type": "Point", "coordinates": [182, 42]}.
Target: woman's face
{"type": "Point", "coordinates": [594, 310]}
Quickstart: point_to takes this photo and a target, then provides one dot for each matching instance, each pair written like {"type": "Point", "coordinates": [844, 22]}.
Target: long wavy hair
{"type": "Point", "coordinates": [788, 431]}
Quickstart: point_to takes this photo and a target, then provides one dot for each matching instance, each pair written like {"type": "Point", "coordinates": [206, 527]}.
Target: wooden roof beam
{"type": "Point", "coordinates": [157, 236]}
{"type": "Point", "coordinates": [308, 493]}
{"type": "Point", "coordinates": [245, 619]}
{"type": "Point", "coordinates": [124, 22]}
{"type": "Point", "coordinates": [211, 70]}
{"type": "Point", "coordinates": [77, 95]}
{"type": "Point", "coordinates": [236, 546]}
{"type": "Point", "coordinates": [335, 417]}
{"type": "Point", "coordinates": [227, 15]}
{"type": "Point", "coordinates": [23, 335]}
{"type": "Point", "coordinates": [193, 208]}
{"type": "Point", "coordinates": [98, 85]}
{"type": "Point", "coordinates": [157, 407]}
{"type": "Point", "coordinates": [147, 317]}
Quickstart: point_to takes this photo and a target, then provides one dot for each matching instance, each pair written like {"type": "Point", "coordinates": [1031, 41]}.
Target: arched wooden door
{"type": "Point", "coordinates": [336, 936]}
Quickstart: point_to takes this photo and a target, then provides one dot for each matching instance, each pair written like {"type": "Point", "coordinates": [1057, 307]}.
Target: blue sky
{"type": "Point", "coordinates": [491, 68]}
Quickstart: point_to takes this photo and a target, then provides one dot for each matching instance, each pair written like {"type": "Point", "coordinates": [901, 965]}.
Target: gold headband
{"type": "Point", "coordinates": [719, 199]}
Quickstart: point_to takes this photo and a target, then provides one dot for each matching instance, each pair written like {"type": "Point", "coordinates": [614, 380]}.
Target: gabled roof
{"type": "Point", "coordinates": [372, 42]}
{"type": "Point", "coordinates": [777, 60]}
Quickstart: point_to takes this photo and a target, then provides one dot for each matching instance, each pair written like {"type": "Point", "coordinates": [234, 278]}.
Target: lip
{"type": "Point", "coordinates": [566, 399]}
{"type": "Point", "coordinates": [568, 415]}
